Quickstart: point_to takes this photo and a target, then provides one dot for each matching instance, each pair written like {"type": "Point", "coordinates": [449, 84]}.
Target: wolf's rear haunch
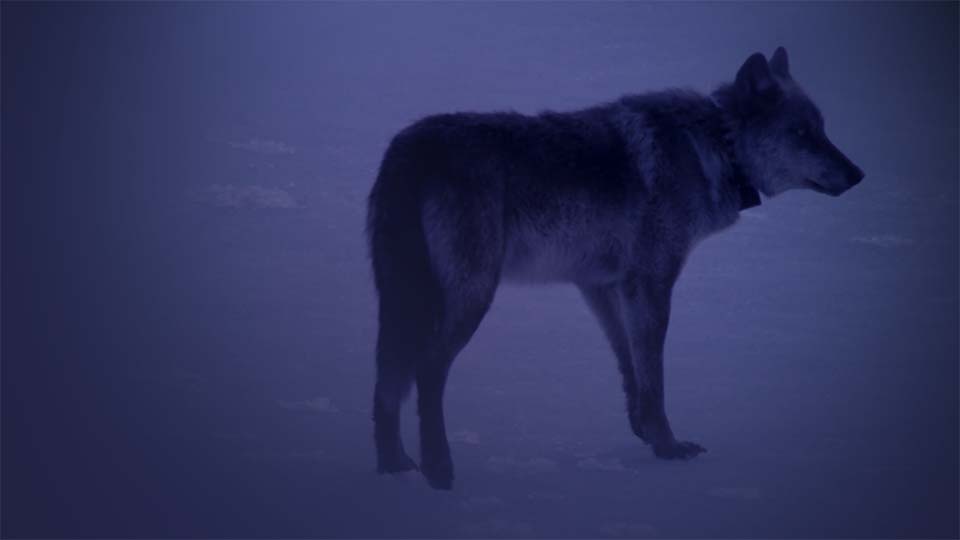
{"type": "Point", "coordinates": [409, 310]}
{"type": "Point", "coordinates": [424, 320]}
{"type": "Point", "coordinates": [611, 199]}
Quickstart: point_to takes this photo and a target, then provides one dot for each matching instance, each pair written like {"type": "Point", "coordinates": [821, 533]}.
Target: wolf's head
{"type": "Point", "coordinates": [778, 134]}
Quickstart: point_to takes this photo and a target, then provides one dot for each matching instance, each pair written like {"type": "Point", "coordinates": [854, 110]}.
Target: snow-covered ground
{"type": "Point", "coordinates": [197, 355]}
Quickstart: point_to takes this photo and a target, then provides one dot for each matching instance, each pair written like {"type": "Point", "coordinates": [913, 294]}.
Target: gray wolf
{"type": "Point", "coordinates": [611, 199]}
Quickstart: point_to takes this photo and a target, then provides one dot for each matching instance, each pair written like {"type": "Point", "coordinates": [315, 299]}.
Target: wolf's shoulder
{"type": "Point", "coordinates": [666, 99]}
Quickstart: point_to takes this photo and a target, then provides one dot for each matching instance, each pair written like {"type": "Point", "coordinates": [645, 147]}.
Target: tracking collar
{"type": "Point", "coordinates": [749, 196]}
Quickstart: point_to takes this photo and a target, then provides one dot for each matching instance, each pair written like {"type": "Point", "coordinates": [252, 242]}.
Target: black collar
{"type": "Point", "coordinates": [749, 196]}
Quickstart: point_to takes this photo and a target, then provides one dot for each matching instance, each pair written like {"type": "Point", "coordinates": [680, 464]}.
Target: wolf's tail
{"type": "Point", "coordinates": [409, 293]}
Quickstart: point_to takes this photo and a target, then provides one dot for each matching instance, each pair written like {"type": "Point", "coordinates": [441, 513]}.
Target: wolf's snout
{"type": "Point", "coordinates": [855, 176]}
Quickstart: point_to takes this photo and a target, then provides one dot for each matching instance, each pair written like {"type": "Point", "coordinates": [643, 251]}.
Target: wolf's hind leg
{"type": "Point", "coordinates": [465, 307]}
{"type": "Point", "coordinates": [604, 302]}
{"type": "Point", "coordinates": [398, 349]}
{"type": "Point", "coordinates": [389, 393]}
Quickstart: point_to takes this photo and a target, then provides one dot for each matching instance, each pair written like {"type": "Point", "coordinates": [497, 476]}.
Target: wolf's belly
{"type": "Point", "coordinates": [558, 261]}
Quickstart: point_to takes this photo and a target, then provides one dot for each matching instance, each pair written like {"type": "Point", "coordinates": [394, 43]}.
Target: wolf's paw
{"type": "Point", "coordinates": [396, 464]}
{"type": "Point", "coordinates": [678, 450]}
{"type": "Point", "coordinates": [439, 475]}
{"type": "Point", "coordinates": [636, 425]}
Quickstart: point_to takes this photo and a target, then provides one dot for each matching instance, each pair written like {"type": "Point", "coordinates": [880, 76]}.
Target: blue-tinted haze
{"type": "Point", "coordinates": [189, 318]}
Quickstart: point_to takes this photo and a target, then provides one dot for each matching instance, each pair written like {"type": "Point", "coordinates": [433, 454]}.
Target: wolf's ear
{"type": "Point", "coordinates": [779, 64]}
{"type": "Point", "coordinates": [755, 80]}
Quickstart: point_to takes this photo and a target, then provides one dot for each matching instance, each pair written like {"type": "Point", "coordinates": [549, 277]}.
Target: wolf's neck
{"type": "Point", "coordinates": [724, 101]}
{"type": "Point", "coordinates": [749, 195]}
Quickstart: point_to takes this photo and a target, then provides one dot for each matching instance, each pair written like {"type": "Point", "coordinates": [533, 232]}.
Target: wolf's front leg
{"type": "Point", "coordinates": [646, 303]}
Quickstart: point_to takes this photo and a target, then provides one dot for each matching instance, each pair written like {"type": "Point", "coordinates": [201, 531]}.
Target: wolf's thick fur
{"type": "Point", "coordinates": [610, 198]}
